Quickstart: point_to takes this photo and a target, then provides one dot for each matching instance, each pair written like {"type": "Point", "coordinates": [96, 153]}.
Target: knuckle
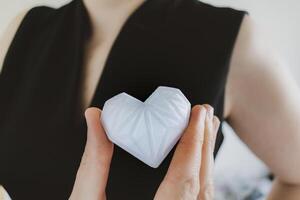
{"type": "Point", "coordinates": [188, 188]}
{"type": "Point", "coordinates": [208, 107]}
{"type": "Point", "coordinates": [192, 189]}
{"type": "Point", "coordinates": [191, 186]}
{"type": "Point", "coordinates": [207, 192]}
{"type": "Point", "coordinates": [211, 141]}
{"type": "Point", "coordinates": [191, 140]}
{"type": "Point", "coordinates": [197, 109]}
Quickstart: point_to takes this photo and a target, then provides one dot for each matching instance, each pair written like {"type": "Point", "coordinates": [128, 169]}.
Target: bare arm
{"type": "Point", "coordinates": [8, 36]}
{"type": "Point", "coordinates": [263, 107]}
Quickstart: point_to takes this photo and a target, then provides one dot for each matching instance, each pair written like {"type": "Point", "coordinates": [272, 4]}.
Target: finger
{"type": "Point", "coordinates": [185, 165]}
{"type": "Point", "coordinates": [207, 163]}
{"type": "Point", "coordinates": [216, 123]}
{"type": "Point", "coordinates": [97, 140]}
{"type": "Point", "coordinates": [93, 172]}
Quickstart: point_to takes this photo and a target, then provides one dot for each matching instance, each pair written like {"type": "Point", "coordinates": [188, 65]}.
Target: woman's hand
{"type": "Point", "coordinates": [93, 171]}
{"type": "Point", "coordinates": [189, 175]}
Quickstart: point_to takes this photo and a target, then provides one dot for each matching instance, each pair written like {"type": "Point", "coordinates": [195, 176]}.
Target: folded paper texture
{"type": "Point", "coordinates": [147, 130]}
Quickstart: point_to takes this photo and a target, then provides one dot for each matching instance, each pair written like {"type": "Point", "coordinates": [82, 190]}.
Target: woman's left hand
{"type": "Point", "coordinates": [93, 172]}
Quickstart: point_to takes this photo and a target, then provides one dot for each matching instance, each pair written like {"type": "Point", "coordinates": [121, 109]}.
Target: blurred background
{"type": "Point", "coordinates": [239, 174]}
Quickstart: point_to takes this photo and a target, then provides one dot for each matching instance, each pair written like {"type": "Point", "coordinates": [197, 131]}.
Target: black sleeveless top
{"type": "Point", "coordinates": [185, 44]}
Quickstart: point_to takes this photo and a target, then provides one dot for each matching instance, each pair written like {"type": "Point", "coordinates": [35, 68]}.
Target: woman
{"type": "Point", "coordinates": [55, 57]}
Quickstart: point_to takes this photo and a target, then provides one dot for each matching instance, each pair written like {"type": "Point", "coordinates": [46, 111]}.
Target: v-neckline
{"type": "Point", "coordinates": [131, 20]}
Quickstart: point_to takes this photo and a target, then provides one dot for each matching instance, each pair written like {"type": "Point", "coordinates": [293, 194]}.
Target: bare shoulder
{"type": "Point", "coordinates": [254, 59]}
{"type": "Point", "coordinates": [263, 98]}
{"type": "Point", "coordinates": [8, 35]}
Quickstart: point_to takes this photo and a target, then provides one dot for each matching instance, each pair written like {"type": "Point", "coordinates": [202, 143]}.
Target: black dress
{"type": "Point", "coordinates": [185, 44]}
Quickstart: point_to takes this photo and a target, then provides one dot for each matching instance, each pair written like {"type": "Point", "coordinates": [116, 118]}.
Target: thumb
{"type": "Point", "coordinates": [93, 172]}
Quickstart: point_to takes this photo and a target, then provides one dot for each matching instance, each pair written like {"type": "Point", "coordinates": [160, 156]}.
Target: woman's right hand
{"type": "Point", "coordinates": [190, 174]}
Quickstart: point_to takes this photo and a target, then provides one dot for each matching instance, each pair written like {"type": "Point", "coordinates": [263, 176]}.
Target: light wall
{"type": "Point", "coordinates": [281, 22]}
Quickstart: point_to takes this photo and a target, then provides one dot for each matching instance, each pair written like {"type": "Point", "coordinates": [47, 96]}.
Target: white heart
{"type": "Point", "coordinates": [147, 130]}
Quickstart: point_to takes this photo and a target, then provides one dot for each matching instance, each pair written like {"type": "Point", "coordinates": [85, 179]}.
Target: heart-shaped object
{"type": "Point", "coordinates": [147, 130]}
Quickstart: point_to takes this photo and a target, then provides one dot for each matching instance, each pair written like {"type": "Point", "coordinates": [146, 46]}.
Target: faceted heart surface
{"type": "Point", "coordinates": [147, 130]}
